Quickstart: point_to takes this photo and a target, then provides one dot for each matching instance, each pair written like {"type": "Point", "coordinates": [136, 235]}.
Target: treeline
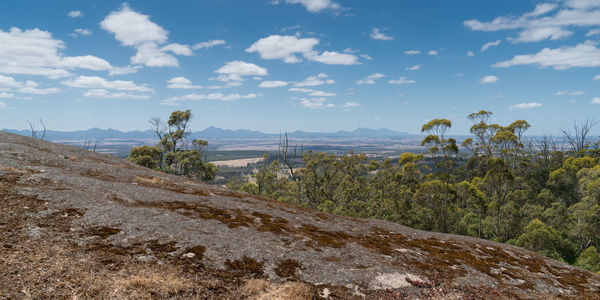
{"type": "Point", "coordinates": [542, 194]}
{"type": "Point", "coordinates": [174, 153]}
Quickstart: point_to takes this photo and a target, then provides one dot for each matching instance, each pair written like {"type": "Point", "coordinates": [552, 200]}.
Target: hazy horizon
{"type": "Point", "coordinates": [309, 65]}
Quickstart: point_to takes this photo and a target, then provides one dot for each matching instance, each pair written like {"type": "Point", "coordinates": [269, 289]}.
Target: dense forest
{"type": "Point", "coordinates": [542, 193]}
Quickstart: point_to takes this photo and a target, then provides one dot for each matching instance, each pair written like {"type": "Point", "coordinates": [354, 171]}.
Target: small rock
{"type": "Point", "coordinates": [189, 255]}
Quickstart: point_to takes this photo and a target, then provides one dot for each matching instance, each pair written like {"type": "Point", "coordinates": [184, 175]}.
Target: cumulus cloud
{"type": "Point", "coordinates": [489, 79]}
{"type": "Point", "coordinates": [102, 93]}
{"type": "Point", "coordinates": [136, 30]}
{"type": "Point", "coordinates": [272, 84]}
{"type": "Point", "coordinates": [366, 56]}
{"type": "Point", "coordinates": [378, 35]}
{"type": "Point", "coordinates": [570, 93]}
{"type": "Point", "coordinates": [432, 52]}
{"type": "Point", "coordinates": [597, 77]}
{"type": "Point", "coordinates": [181, 83]}
{"type": "Point", "coordinates": [315, 6]}
{"type": "Point", "coordinates": [595, 100]}
{"type": "Point", "coordinates": [581, 55]}
{"type": "Point", "coordinates": [414, 68]}
{"type": "Point", "coordinates": [319, 102]}
{"type": "Point", "coordinates": [178, 49]}
{"type": "Point", "coordinates": [351, 104]}
{"type": "Point", "coordinates": [95, 82]}
{"type": "Point", "coordinates": [490, 44]}
{"type": "Point", "coordinates": [241, 68]}
{"type": "Point", "coordinates": [79, 32]}
{"type": "Point", "coordinates": [288, 48]}
{"type": "Point", "coordinates": [320, 79]}
{"type": "Point", "coordinates": [75, 14]}
{"type": "Point", "coordinates": [6, 95]}
{"type": "Point", "coordinates": [35, 52]}
{"type": "Point", "coordinates": [208, 44]}
{"type": "Point", "coordinates": [402, 80]}
{"type": "Point", "coordinates": [539, 24]}
{"type": "Point", "coordinates": [525, 105]}
{"type": "Point", "coordinates": [313, 93]}
{"type": "Point", "coordinates": [212, 96]}
{"type": "Point", "coordinates": [470, 53]}
{"type": "Point", "coordinates": [370, 79]}
{"type": "Point", "coordinates": [412, 52]}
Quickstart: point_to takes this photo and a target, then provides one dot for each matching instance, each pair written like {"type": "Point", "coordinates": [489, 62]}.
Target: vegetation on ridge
{"type": "Point", "coordinates": [543, 194]}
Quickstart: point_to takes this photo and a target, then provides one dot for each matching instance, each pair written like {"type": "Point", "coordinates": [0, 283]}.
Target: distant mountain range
{"type": "Point", "coordinates": [213, 133]}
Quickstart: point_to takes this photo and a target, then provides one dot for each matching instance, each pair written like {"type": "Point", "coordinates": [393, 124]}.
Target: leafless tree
{"type": "Point", "coordinates": [34, 133]}
{"type": "Point", "coordinates": [579, 139]}
{"type": "Point", "coordinates": [283, 153]}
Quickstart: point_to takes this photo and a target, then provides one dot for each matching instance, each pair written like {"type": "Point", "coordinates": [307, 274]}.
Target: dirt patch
{"type": "Point", "coordinates": [287, 268]}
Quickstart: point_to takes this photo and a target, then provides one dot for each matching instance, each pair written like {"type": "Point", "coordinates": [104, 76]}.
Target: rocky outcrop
{"type": "Point", "coordinates": [114, 207]}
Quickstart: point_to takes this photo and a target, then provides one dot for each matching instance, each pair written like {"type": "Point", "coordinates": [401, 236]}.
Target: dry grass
{"type": "Point", "coordinates": [259, 289]}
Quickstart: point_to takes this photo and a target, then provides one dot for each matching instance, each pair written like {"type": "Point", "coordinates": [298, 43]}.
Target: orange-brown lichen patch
{"type": "Point", "coordinates": [287, 268]}
{"type": "Point", "coordinates": [159, 183]}
{"type": "Point", "coordinates": [103, 231]}
{"type": "Point", "coordinates": [198, 251]}
{"type": "Point", "coordinates": [161, 249]}
{"type": "Point", "coordinates": [245, 267]}
{"type": "Point", "coordinates": [334, 239]}
{"type": "Point", "coordinates": [202, 211]}
{"type": "Point", "coordinates": [275, 225]}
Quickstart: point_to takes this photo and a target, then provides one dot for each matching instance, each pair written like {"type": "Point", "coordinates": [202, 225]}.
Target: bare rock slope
{"type": "Point", "coordinates": [103, 215]}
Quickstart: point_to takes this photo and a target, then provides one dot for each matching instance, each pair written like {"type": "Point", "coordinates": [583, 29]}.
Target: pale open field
{"type": "Point", "coordinates": [236, 163]}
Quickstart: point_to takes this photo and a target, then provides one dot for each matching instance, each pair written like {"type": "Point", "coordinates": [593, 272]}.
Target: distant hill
{"type": "Point", "coordinates": [212, 133]}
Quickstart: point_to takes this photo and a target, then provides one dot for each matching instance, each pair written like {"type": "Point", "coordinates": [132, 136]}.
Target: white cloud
{"type": "Point", "coordinates": [542, 33]}
{"type": "Point", "coordinates": [525, 105]}
{"type": "Point", "coordinates": [212, 96]}
{"type": "Point", "coordinates": [367, 57]}
{"type": "Point", "coordinates": [377, 35]}
{"type": "Point", "coordinates": [334, 58]}
{"type": "Point", "coordinates": [35, 52]}
{"type": "Point", "coordinates": [595, 100]}
{"type": "Point", "coordinates": [178, 49]}
{"type": "Point", "coordinates": [101, 93]}
{"type": "Point", "coordinates": [95, 82]}
{"type": "Point", "coordinates": [288, 47]}
{"type": "Point", "coordinates": [75, 14]}
{"type": "Point", "coordinates": [432, 52]}
{"type": "Point", "coordinates": [490, 44]}
{"type": "Point", "coordinates": [412, 52]}
{"type": "Point", "coordinates": [79, 32]}
{"type": "Point", "coordinates": [315, 103]}
{"type": "Point", "coordinates": [136, 30]}
{"type": "Point", "coordinates": [320, 79]}
{"type": "Point", "coordinates": [285, 47]}
{"type": "Point", "coordinates": [6, 81]}
{"type": "Point", "coordinates": [572, 93]}
{"type": "Point", "coordinates": [316, 5]}
{"type": "Point", "coordinates": [489, 79]}
{"type": "Point", "coordinates": [470, 53]}
{"type": "Point", "coordinates": [132, 28]}
{"type": "Point", "coordinates": [6, 95]}
{"type": "Point", "coordinates": [597, 77]}
{"type": "Point", "coordinates": [312, 93]}
{"type": "Point", "coordinates": [241, 68]}
{"type": "Point", "coordinates": [593, 32]}
{"type": "Point", "coordinates": [208, 44]}
{"type": "Point", "coordinates": [539, 25]}
{"type": "Point", "coordinates": [272, 84]}
{"type": "Point", "coordinates": [414, 68]}
{"type": "Point", "coordinates": [581, 55]}
{"type": "Point", "coordinates": [31, 87]}
{"type": "Point", "coordinates": [370, 79]}
{"type": "Point", "coordinates": [2, 105]}
{"type": "Point", "coordinates": [402, 80]}
{"type": "Point", "coordinates": [351, 104]}
{"type": "Point", "coordinates": [181, 83]}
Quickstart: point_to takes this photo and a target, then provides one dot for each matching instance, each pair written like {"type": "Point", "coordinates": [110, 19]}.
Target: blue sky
{"type": "Point", "coordinates": [314, 65]}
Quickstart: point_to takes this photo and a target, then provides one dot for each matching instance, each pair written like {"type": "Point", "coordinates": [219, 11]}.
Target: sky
{"type": "Point", "coordinates": [312, 65]}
